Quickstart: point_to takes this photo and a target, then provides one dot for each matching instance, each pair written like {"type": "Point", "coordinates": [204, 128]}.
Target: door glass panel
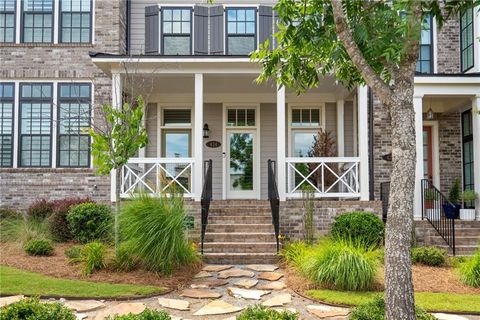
{"type": "Point", "coordinates": [241, 161]}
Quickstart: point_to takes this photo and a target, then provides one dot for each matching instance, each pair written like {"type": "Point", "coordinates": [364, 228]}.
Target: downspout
{"type": "Point", "coordinates": [371, 181]}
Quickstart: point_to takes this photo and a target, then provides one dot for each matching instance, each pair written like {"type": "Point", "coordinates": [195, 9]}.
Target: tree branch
{"type": "Point", "coordinates": [345, 35]}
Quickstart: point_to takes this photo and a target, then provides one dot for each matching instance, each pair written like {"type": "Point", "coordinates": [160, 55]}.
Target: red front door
{"type": "Point", "coordinates": [427, 153]}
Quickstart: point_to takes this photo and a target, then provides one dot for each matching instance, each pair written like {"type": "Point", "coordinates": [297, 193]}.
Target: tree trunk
{"type": "Point", "coordinates": [400, 302]}
{"type": "Point", "coordinates": [118, 181]}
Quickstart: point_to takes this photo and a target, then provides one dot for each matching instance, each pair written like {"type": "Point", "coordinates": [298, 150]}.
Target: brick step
{"type": "Point", "coordinates": [241, 258]}
{"type": "Point", "coordinates": [458, 224]}
{"type": "Point", "coordinates": [239, 227]}
{"type": "Point", "coordinates": [459, 240]}
{"type": "Point", "coordinates": [229, 219]}
{"type": "Point", "coordinates": [239, 247]}
{"type": "Point", "coordinates": [241, 211]}
{"type": "Point", "coordinates": [239, 236]}
{"type": "Point", "coordinates": [460, 250]}
{"type": "Point", "coordinates": [243, 202]}
{"type": "Point", "coordinates": [459, 232]}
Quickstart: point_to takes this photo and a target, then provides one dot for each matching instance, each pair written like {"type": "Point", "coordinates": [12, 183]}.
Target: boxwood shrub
{"type": "Point", "coordinates": [57, 222]}
{"type": "Point", "coordinates": [89, 222]}
{"type": "Point", "coordinates": [364, 228]}
{"type": "Point", "coordinates": [41, 247]}
{"type": "Point", "coordinates": [147, 314]}
{"type": "Point", "coordinates": [32, 308]}
{"type": "Point", "coordinates": [430, 256]}
{"type": "Point", "coordinates": [262, 313]}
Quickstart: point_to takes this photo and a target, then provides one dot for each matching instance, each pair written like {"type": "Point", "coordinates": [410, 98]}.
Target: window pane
{"type": "Point", "coordinates": [176, 45]}
{"type": "Point", "coordinates": [241, 45]}
{"type": "Point", "coordinates": [176, 27]}
{"type": "Point", "coordinates": [176, 117]}
{"type": "Point", "coordinates": [231, 117]}
{"type": "Point", "coordinates": [302, 143]}
{"type": "Point", "coordinates": [241, 117]}
{"type": "Point", "coordinates": [296, 117]}
{"type": "Point", "coordinates": [251, 117]}
{"type": "Point", "coordinates": [176, 144]}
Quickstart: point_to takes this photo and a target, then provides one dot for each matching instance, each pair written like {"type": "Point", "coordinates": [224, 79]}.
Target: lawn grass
{"type": "Point", "coordinates": [16, 281]}
{"type": "Point", "coordinates": [430, 301]}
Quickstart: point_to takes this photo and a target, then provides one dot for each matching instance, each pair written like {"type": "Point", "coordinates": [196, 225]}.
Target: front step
{"type": "Point", "coordinates": [240, 232]}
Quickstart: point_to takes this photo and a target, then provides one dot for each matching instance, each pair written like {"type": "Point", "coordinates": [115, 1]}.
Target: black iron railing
{"type": "Point", "coordinates": [206, 197]}
{"type": "Point", "coordinates": [440, 212]}
{"type": "Point", "coordinates": [274, 200]}
{"type": "Point", "coordinates": [384, 195]}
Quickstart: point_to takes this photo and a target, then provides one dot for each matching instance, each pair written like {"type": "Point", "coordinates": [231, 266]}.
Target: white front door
{"type": "Point", "coordinates": [241, 164]}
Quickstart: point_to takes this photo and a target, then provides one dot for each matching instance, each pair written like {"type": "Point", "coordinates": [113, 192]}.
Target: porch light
{"type": "Point", "coordinates": [430, 114]}
{"type": "Point", "coordinates": [206, 131]}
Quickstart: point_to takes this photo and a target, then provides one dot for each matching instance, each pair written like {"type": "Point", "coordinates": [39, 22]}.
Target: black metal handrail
{"type": "Point", "coordinates": [274, 199]}
{"type": "Point", "coordinates": [206, 197]}
{"type": "Point", "coordinates": [439, 212]}
{"type": "Point", "coordinates": [384, 195]}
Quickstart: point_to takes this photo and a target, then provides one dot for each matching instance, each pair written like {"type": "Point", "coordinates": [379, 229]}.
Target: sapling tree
{"type": "Point", "coordinates": [122, 135]}
{"type": "Point", "coordinates": [376, 43]}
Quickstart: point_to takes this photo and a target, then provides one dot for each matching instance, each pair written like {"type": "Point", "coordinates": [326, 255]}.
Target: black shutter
{"type": "Point", "coordinates": [265, 25]}
{"type": "Point", "coordinates": [200, 30]}
{"type": "Point", "coordinates": [151, 29]}
{"type": "Point", "coordinates": [216, 30]}
{"type": "Point", "coordinates": [275, 28]}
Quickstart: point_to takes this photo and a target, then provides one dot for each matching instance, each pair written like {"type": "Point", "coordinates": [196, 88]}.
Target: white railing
{"type": "Point", "coordinates": [328, 177]}
{"type": "Point", "coordinates": [155, 176]}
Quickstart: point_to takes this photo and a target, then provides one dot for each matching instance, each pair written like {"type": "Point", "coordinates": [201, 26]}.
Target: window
{"type": "Point", "coordinates": [7, 20]}
{"type": "Point", "coordinates": [6, 124]}
{"type": "Point", "coordinates": [176, 131]}
{"type": "Point", "coordinates": [35, 125]}
{"type": "Point", "coordinates": [75, 21]}
{"type": "Point", "coordinates": [305, 124]}
{"type": "Point", "coordinates": [467, 148]}
{"type": "Point", "coordinates": [466, 39]}
{"type": "Point", "coordinates": [73, 121]}
{"type": "Point", "coordinates": [176, 117]}
{"type": "Point", "coordinates": [425, 58]}
{"type": "Point", "coordinates": [37, 20]}
{"type": "Point", "coordinates": [176, 30]}
{"type": "Point", "coordinates": [241, 30]}
{"type": "Point", "coordinates": [241, 117]}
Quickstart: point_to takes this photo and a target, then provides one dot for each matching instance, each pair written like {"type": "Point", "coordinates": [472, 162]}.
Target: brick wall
{"type": "Point", "coordinates": [450, 149]}
{"type": "Point", "coordinates": [448, 46]}
{"type": "Point", "coordinates": [291, 214]}
{"type": "Point", "coordinates": [20, 187]}
{"type": "Point", "coordinates": [382, 145]}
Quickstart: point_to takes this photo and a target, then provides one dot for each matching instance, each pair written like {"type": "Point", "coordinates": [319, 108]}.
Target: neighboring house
{"type": "Point", "coordinates": [61, 57]}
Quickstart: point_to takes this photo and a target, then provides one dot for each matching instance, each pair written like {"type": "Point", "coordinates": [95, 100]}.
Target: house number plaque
{"type": "Point", "coordinates": [213, 144]}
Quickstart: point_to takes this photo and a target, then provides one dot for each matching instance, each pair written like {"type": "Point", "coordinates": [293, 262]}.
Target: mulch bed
{"type": "Point", "coordinates": [425, 279]}
{"type": "Point", "coordinates": [11, 254]}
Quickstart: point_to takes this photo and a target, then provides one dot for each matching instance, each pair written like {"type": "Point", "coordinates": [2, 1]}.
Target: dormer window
{"type": "Point", "coordinates": [241, 31]}
{"type": "Point", "coordinates": [176, 31]}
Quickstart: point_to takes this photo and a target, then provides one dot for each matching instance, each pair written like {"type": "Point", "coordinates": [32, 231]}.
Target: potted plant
{"type": "Point", "coordinates": [452, 212]}
{"type": "Point", "coordinates": [468, 214]}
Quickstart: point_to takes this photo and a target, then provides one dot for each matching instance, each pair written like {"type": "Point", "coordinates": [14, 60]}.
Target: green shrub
{"type": "Point", "coordinates": [430, 256]}
{"type": "Point", "coordinates": [154, 229]}
{"type": "Point", "coordinates": [89, 222]}
{"type": "Point", "coordinates": [470, 271]}
{"type": "Point", "coordinates": [22, 230]}
{"type": "Point", "coordinates": [39, 248]}
{"type": "Point", "coordinates": [32, 308]}
{"type": "Point", "coordinates": [57, 222]}
{"type": "Point", "coordinates": [375, 310]}
{"type": "Point", "coordinates": [92, 257]}
{"type": "Point", "coordinates": [40, 209]}
{"type": "Point", "coordinates": [125, 259]}
{"type": "Point", "coordinates": [73, 253]}
{"type": "Point", "coordinates": [8, 213]}
{"type": "Point", "coordinates": [362, 227]}
{"type": "Point", "coordinates": [341, 265]}
{"type": "Point", "coordinates": [147, 314]}
{"type": "Point", "coordinates": [262, 313]}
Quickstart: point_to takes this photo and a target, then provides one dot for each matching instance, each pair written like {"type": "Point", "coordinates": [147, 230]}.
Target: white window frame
{"type": "Point", "coordinates": [291, 129]}
{"type": "Point", "coordinates": [161, 127]}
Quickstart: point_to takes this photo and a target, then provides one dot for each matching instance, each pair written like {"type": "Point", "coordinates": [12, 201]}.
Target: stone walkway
{"type": "Point", "coordinates": [220, 292]}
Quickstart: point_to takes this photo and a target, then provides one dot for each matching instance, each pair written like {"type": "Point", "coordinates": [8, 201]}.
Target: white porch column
{"type": "Point", "coordinates": [340, 128]}
{"type": "Point", "coordinates": [116, 103]}
{"type": "Point", "coordinates": [417, 205]}
{"type": "Point", "coordinates": [198, 138]}
{"type": "Point", "coordinates": [362, 96]}
{"type": "Point", "coordinates": [476, 150]}
{"type": "Point", "coordinates": [281, 148]}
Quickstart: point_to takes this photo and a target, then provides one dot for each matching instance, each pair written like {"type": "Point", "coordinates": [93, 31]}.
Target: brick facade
{"type": "Point", "coordinates": [448, 47]}
{"type": "Point", "coordinates": [291, 214]}
{"type": "Point", "coordinates": [450, 149]}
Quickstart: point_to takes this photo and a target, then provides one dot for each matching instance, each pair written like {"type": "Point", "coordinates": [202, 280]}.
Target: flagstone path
{"type": "Point", "coordinates": [220, 293]}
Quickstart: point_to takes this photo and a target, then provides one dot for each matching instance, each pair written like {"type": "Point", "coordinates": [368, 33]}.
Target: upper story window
{"type": "Point", "coordinates": [176, 31]}
{"type": "Point", "coordinates": [241, 31]}
{"type": "Point", "coordinates": [37, 21]}
{"type": "Point", "coordinates": [7, 99]}
{"type": "Point", "coordinates": [466, 39]}
{"type": "Point", "coordinates": [7, 20]}
{"type": "Point", "coordinates": [75, 21]}
{"type": "Point", "coordinates": [425, 58]}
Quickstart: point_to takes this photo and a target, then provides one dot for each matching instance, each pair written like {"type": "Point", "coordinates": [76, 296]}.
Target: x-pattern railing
{"type": "Point", "coordinates": [343, 171]}
{"type": "Point", "coordinates": [166, 173]}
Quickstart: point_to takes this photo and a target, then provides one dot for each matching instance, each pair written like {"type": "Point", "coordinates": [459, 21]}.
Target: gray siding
{"type": "Point", "coordinates": [212, 114]}
{"type": "Point", "coordinates": [348, 128]}
{"type": "Point", "coordinates": [331, 119]}
{"type": "Point", "coordinates": [268, 142]}
{"type": "Point", "coordinates": [151, 124]}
